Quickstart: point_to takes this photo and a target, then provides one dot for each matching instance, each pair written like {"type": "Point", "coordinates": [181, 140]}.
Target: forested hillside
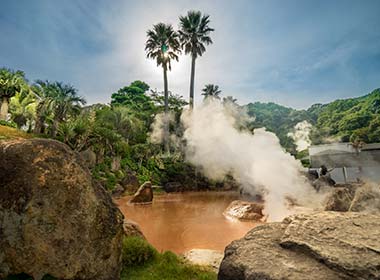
{"type": "Point", "coordinates": [347, 120]}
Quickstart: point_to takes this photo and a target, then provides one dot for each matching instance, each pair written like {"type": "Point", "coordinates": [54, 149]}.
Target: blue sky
{"type": "Point", "coordinates": [295, 53]}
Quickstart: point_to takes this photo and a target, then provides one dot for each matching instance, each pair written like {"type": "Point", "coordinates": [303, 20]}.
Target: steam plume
{"type": "Point", "coordinates": [257, 161]}
{"type": "Point", "coordinates": [300, 135]}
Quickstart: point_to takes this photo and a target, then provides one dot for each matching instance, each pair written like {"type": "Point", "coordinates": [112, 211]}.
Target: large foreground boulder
{"type": "Point", "coordinates": [54, 219]}
{"type": "Point", "coordinates": [324, 245]}
{"type": "Point", "coordinates": [144, 194]}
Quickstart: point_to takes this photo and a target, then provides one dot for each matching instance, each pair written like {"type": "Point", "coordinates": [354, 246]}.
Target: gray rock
{"type": "Point", "coordinates": [54, 219]}
{"type": "Point", "coordinates": [130, 182]}
{"type": "Point", "coordinates": [89, 157]}
{"type": "Point", "coordinates": [259, 256]}
{"type": "Point", "coordinates": [244, 210]}
{"type": "Point", "coordinates": [346, 242]}
{"type": "Point", "coordinates": [322, 245]}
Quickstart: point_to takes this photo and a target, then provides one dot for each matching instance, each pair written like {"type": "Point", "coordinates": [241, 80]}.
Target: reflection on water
{"type": "Point", "coordinates": [183, 221]}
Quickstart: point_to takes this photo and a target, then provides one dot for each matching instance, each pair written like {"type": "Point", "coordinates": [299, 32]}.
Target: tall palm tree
{"type": "Point", "coordinates": [211, 91]}
{"type": "Point", "coordinates": [194, 35]}
{"type": "Point", "coordinates": [163, 46]}
{"type": "Point", "coordinates": [11, 82]}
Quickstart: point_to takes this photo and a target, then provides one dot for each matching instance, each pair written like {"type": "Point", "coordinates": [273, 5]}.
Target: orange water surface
{"type": "Point", "coordinates": [180, 222]}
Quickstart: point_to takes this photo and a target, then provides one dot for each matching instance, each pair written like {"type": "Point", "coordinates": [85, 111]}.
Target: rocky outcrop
{"type": "Point", "coordinates": [339, 200]}
{"type": "Point", "coordinates": [89, 157]}
{"type": "Point", "coordinates": [324, 245]}
{"type": "Point", "coordinates": [144, 194]}
{"type": "Point", "coordinates": [244, 210]}
{"type": "Point", "coordinates": [54, 219]}
{"type": "Point", "coordinates": [366, 199]}
{"type": "Point", "coordinates": [130, 182]}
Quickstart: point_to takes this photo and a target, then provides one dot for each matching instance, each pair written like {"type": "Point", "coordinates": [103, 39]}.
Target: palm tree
{"type": "Point", "coordinates": [194, 35]}
{"type": "Point", "coordinates": [56, 100]}
{"type": "Point", "coordinates": [64, 101]}
{"type": "Point", "coordinates": [163, 46]}
{"type": "Point", "coordinates": [211, 91]}
{"type": "Point", "coordinates": [229, 100]}
{"type": "Point", "coordinates": [11, 82]}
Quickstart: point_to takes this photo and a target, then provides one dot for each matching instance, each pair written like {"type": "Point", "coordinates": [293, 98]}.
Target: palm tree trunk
{"type": "Point", "coordinates": [166, 121]}
{"type": "Point", "coordinates": [191, 102]}
{"type": "Point", "coordinates": [4, 108]}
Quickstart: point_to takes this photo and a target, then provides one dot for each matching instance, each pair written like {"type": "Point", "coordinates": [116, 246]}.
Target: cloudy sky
{"type": "Point", "coordinates": [295, 53]}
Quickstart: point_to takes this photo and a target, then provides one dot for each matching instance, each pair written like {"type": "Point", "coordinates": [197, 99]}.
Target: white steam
{"type": "Point", "coordinates": [158, 127]}
{"type": "Point", "coordinates": [300, 135]}
{"type": "Point", "coordinates": [257, 161]}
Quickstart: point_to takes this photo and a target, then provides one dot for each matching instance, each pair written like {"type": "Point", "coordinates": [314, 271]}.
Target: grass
{"type": "Point", "coordinates": [142, 262]}
{"type": "Point", "coordinates": [9, 133]}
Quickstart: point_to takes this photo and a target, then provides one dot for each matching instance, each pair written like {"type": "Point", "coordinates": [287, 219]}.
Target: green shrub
{"type": "Point", "coordinates": [137, 251]}
{"type": "Point", "coordinates": [168, 266]}
{"type": "Point", "coordinates": [8, 123]}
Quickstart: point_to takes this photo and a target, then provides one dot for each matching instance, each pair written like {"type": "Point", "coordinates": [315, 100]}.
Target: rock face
{"type": "Point", "coordinates": [132, 229]}
{"type": "Point", "coordinates": [324, 245]}
{"type": "Point", "coordinates": [339, 200]}
{"type": "Point", "coordinates": [130, 183]}
{"type": "Point", "coordinates": [244, 210]}
{"type": "Point", "coordinates": [53, 218]}
{"type": "Point", "coordinates": [144, 194]}
{"type": "Point", "coordinates": [89, 157]}
{"type": "Point", "coordinates": [366, 199]}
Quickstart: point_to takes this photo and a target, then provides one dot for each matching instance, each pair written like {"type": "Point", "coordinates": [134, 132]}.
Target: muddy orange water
{"type": "Point", "coordinates": [183, 221]}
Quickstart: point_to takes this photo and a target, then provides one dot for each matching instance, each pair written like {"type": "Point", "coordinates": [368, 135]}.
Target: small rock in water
{"type": "Point", "coordinates": [144, 194]}
{"type": "Point", "coordinates": [244, 210]}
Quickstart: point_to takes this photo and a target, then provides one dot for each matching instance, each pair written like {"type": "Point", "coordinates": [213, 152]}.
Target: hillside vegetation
{"type": "Point", "coordinates": [347, 120]}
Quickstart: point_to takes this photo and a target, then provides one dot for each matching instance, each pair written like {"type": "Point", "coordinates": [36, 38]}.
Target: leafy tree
{"type": "Point", "coordinates": [23, 109]}
{"type": "Point", "coordinates": [211, 91]}
{"type": "Point", "coordinates": [58, 99]}
{"type": "Point", "coordinates": [11, 82]}
{"type": "Point", "coordinates": [194, 35]}
{"type": "Point", "coordinates": [163, 46]}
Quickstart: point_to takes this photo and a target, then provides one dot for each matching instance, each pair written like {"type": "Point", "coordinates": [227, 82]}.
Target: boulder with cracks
{"type": "Point", "coordinates": [323, 245]}
{"type": "Point", "coordinates": [54, 219]}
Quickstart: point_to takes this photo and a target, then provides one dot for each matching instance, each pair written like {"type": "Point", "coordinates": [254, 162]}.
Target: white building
{"type": "Point", "coordinates": [350, 164]}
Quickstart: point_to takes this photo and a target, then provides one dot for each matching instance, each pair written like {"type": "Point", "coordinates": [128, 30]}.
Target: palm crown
{"type": "Point", "coordinates": [194, 33]}
{"type": "Point", "coordinates": [162, 44]}
{"type": "Point", "coordinates": [211, 90]}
